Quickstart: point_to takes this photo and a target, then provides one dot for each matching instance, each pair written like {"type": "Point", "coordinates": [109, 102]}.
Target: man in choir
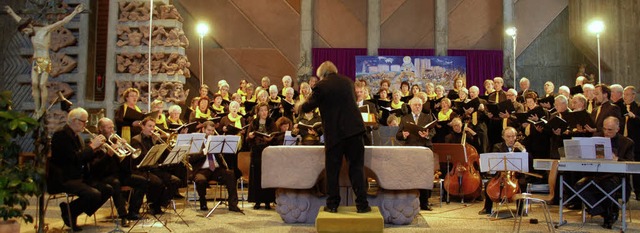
{"type": "Point", "coordinates": [162, 185]}
{"type": "Point", "coordinates": [561, 105]}
{"type": "Point", "coordinates": [549, 88]}
{"type": "Point", "coordinates": [631, 128]}
{"type": "Point", "coordinates": [106, 168]}
{"type": "Point", "coordinates": [499, 94]}
{"type": "Point", "coordinates": [623, 150]}
{"type": "Point", "coordinates": [524, 89]}
{"type": "Point", "coordinates": [478, 121]}
{"type": "Point", "coordinates": [616, 97]}
{"type": "Point", "coordinates": [510, 144]}
{"type": "Point", "coordinates": [589, 93]}
{"type": "Point", "coordinates": [67, 169]}
{"type": "Point", "coordinates": [605, 109]}
{"type": "Point", "coordinates": [343, 128]}
{"type": "Point", "coordinates": [417, 138]}
{"type": "Point", "coordinates": [211, 166]}
{"type": "Point", "coordinates": [372, 109]}
{"type": "Point", "coordinates": [580, 80]}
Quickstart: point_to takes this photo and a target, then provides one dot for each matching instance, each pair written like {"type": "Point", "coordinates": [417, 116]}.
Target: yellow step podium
{"type": "Point", "coordinates": [349, 220]}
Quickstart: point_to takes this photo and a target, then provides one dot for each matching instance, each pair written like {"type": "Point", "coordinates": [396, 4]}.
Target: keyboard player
{"type": "Point", "coordinates": [622, 151]}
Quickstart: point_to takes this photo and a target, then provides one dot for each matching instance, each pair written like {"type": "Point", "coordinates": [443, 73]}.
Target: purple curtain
{"type": "Point", "coordinates": [343, 58]}
{"type": "Point", "coordinates": [481, 64]}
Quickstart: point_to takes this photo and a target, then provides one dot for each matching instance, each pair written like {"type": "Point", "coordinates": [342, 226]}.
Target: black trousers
{"type": "Point", "coordinates": [352, 149]}
{"type": "Point", "coordinates": [162, 186]}
{"type": "Point", "coordinates": [221, 175]}
{"type": "Point", "coordinates": [91, 195]}
{"type": "Point", "coordinates": [140, 187]}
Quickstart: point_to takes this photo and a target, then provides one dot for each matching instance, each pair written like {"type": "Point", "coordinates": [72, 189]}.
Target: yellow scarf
{"type": "Point", "coordinates": [126, 130]}
{"type": "Point", "coordinates": [405, 93]}
{"type": "Point", "coordinates": [162, 121]}
{"type": "Point", "coordinates": [236, 120]}
{"type": "Point", "coordinates": [179, 122]}
{"type": "Point", "coordinates": [199, 114]}
{"type": "Point", "coordinates": [219, 109]}
{"type": "Point", "coordinates": [432, 96]}
{"type": "Point", "coordinates": [241, 92]}
{"type": "Point", "coordinates": [301, 97]}
{"type": "Point", "coordinates": [396, 106]}
{"type": "Point", "coordinates": [277, 100]}
{"type": "Point", "coordinates": [444, 116]}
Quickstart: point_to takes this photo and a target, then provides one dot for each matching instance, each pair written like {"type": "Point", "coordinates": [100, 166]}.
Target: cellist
{"type": "Point", "coordinates": [510, 144]}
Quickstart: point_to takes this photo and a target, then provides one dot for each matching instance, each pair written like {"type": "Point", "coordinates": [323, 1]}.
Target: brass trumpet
{"type": "Point", "coordinates": [124, 147]}
{"type": "Point", "coordinates": [105, 146]}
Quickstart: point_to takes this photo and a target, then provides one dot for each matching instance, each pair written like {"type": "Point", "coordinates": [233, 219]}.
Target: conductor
{"type": "Point", "coordinates": [344, 131]}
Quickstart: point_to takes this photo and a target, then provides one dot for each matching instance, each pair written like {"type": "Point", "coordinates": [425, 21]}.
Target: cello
{"type": "Point", "coordinates": [464, 180]}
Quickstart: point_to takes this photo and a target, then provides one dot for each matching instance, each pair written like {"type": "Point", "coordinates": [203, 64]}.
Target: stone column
{"type": "Point", "coordinates": [373, 27]}
{"type": "Point", "coordinates": [306, 40]}
{"type": "Point", "coordinates": [508, 20]}
{"type": "Point", "coordinates": [442, 27]}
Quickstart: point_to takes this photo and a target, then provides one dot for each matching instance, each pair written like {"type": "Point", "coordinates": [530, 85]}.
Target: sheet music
{"type": "Point", "coordinates": [515, 161]}
{"type": "Point", "coordinates": [226, 144]}
{"type": "Point", "coordinates": [151, 158]}
{"type": "Point", "coordinates": [588, 148]}
{"type": "Point", "coordinates": [195, 140]}
{"type": "Point", "coordinates": [176, 154]}
{"type": "Point", "coordinates": [289, 140]}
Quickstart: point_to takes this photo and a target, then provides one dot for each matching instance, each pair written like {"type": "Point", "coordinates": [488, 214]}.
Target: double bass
{"type": "Point", "coordinates": [463, 180]}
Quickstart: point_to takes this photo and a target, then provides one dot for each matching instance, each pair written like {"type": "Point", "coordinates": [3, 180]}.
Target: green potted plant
{"type": "Point", "coordinates": [17, 182]}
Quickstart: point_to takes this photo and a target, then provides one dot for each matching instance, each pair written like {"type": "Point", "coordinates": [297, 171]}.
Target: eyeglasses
{"type": "Point", "coordinates": [83, 121]}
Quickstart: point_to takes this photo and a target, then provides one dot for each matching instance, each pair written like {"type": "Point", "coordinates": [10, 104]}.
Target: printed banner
{"type": "Point", "coordinates": [416, 70]}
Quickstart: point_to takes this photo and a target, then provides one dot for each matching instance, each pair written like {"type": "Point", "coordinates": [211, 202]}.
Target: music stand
{"type": "Point", "coordinates": [195, 140]}
{"type": "Point", "coordinates": [176, 156]}
{"type": "Point", "coordinates": [452, 153]}
{"type": "Point", "coordinates": [504, 162]}
{"type": "Point", "coordinates": [289, 140]}
{"type": "Point", "coordinates": [387, 135]}
{"type": "Point", "coordinates": [221, 144]}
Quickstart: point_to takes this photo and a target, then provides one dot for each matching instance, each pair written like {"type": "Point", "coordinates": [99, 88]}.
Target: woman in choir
{"type": "Point", "coordinates": [250, 93]}
{"type": "Point", "coordinates": [238, 98]}
{"type": "Point", "coordinates": [579, 103]}
{"type": "Point", "coordinates": [444, 117]}
{"type": "Point", "coordinates": [415, 89]}
{"type": "Point", "coordinates": [383, 95]}
{"type": "Point", "coordinates": [396, 103]}
{"type": "Point", "coordinates": [224, 91]}
{"type": "Point", "coordinates": [127, 128]}
{"type": "Point", "coordinates": [288, 82]}
{"type": "Point", "coordinates": [283, 125]}
{"type": "Point", "coordinates": [233, 124]}
{"type": "Point", "coordinates": [242, 90]}
{"type": "Point", "coordinates": [262, 124]}
{"type": "Point", "coordinates": [439, 92]}
{"type": "Point", "coordinates": [305, 91]}
{"type": "Point", "coordinates": [564, 90]}
{"type": "Point", "coordinates": [312, 81]}
{"type": "Point", "coordinates": [431, 91]}
{"type": "Point", "coordinates": [161, 120]}
{"type": "Point", "coordinates": [488, 87]}
{"type": "Point", "coordinates": [204, 91]}
{"type": "Point", "coordinates": [385, 84]}
{"type": "Point", "coordinates": [202, 112]}
{"type": "Point", "coordinates": [274, 102]}
{"type": "Point", "coordinates": [287, 109]}
{"type": "Point", "coordinates": [404, 88]}
{"type": "Point", "coordinates": [174, 120]}
{"type": "Point", "coordinates": [309, 136]}
{"type": "Point", "coordinates": [458, 83]}
{"type": "Point", "coordinates": [217, 106]}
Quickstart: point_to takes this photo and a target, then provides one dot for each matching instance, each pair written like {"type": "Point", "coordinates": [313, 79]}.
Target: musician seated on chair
{"type": "Point", "coordinates": [622, 151]}
{"type": "Point", "coordinates": [510, 144]}
{"type": "Point", "coordinates": [106, 168]}
{"type": "Point", "coordinates": [68, 170]}
{"type": "Point", "coordinates": [162, 185]}
{"type": "Point", "coordinates": [212, 167]}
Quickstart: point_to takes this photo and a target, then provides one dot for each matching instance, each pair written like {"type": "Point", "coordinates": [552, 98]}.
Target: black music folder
{"type": "Point", "coordinates": [575, 90]}
{"type": "Point", "coordinates": [133, 115]}
{"type": "Point", "coordinates": [267, 135]}
{"type": "Point", "coordinates": [578, 118]}
{"type": "Point", "coordinates": [365, 108]}
{"type": "Point", "coordinates": [390, 111]}
{"type": "Point", "coordinates": [406, 98]}
{"type": "Point", "coordinates": [549, 99]}
{"type": "Point", "coordinates": [192, 127]}
{"type": "Point", "coordinates": [315, 126]}
{"type": "Point", "coordinates": [233, 130]}
{"type": "Point", "coordinates": [413, 128]}
{"type": "Point", "coordinates": [288, 107]}
{"type": "Point", "coordinates": [248, 106]}
{"type": "Point", "coordinates": [557, 123]}
{"type": "Point", "coordinates": [383, 103]}
{"type": "Point", "coordinates": [504, 106]}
